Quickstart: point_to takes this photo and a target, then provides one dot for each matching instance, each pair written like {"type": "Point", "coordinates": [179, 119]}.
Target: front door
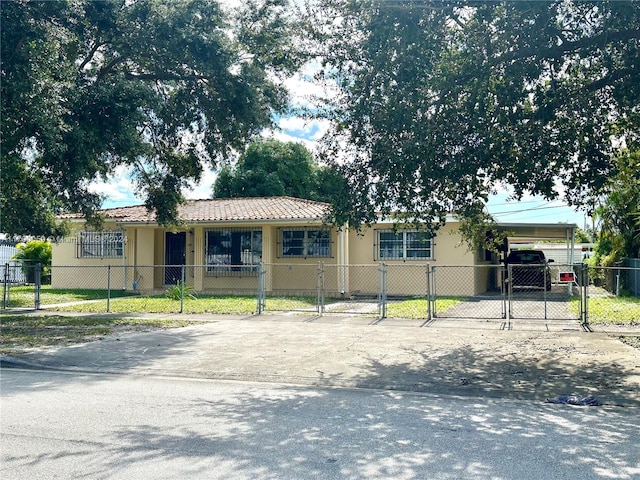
{"type": "Point", "coordinates": [175, 255]}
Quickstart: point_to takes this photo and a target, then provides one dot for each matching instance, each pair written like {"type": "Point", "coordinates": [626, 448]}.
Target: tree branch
{"type": "Point", "coordinates": [564, 48]}
{"type": "Point", "coordinates": [162, 76]}
{"type": "Point", "coordinates": [108, 67]}
{"type": "Point", "coordinates": [91, 54]}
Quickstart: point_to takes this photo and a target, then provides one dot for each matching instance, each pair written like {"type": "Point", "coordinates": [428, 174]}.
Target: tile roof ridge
{"type": "Point", "coordinates": [305, 200]}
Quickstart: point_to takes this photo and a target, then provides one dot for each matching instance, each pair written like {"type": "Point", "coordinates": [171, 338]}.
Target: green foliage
{"type": "Point", "coordinates": [23, 295]}
{"type": "Point", "coordinates": [481, 232]}
{"type": "Point", "coordinates": [163, 89]}
{"type": "Point", "coordinates": [439, 105]}
{"type": "Point", "coordinates": [37, 251]}
{"type": "Point", "coordinates": [180, 291]}
{"type": "Point", "coordinates": [619, 213]}
{"type": "Point", "coordinates": [32, 253]}
{"type": "Point", "coordinates": [582, 236]}
{"type": "Point", "coordinates": [269, 167]}
{"type": "Point", "coordinates": [221, 304]}
{"type": "Point", "coordinates": [614, 310]}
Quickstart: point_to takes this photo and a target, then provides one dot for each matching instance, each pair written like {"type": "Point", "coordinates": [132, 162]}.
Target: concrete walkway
{"type": "Point", "coordinates": [529, 360]}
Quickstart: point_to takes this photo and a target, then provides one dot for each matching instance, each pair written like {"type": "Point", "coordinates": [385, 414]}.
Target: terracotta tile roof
{"type": "Point", "coordinates": [224, 210]}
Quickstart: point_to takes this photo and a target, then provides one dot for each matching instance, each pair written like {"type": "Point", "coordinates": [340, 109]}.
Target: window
{"type": "Point", "coordinates": [404, 245]}
{"type": "Point", "coordinates": [306, 242]}
{"type": "Point", "coordinates": [233, 250]}
{"type": "Point", "coordinates": [107, 244]}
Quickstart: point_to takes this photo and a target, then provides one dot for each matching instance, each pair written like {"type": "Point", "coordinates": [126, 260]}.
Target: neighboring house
{"type": "Point", "coordinates": [223, 242]}
{"type": "Point", "coordinates": [558, 252]}
{"type": "Point", "coordinates": [11, 269]}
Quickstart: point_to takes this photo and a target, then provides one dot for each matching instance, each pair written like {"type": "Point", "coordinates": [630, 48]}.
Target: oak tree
{"type": "Point", "coordinates": [269, 167]}
{"type": "Point", "coordinates": [438, 103]}
{"type": "Point", "coordinates": [164, 89]}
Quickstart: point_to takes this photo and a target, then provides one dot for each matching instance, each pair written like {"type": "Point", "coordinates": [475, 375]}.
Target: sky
{"type": "Point", "coordinates": [120, 191]}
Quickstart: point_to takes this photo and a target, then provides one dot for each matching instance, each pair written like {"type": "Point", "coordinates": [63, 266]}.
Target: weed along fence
{"type": "Point", "coordinates": [381, 290]}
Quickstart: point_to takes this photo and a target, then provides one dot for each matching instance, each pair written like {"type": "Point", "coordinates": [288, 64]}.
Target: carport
{"type": "Point", "coordinates": [523, 302]}
{"type": "Point", "coordinates": [533, 303]}
{"type": "Point", "coordinates": [531, 232]}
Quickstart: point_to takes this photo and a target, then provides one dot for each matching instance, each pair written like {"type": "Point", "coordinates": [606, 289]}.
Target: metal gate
{"type": "Point", "coordinates": [546, 292]}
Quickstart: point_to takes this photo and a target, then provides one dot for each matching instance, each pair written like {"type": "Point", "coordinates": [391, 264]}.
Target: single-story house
{"type": "Point", "coordinates": [222, 242]}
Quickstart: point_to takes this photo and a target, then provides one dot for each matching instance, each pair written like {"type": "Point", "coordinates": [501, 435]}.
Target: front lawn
{"type": "Point", "coordinates": [417, 307]}
{"type": "Point", "coordinates": [21, 333]}
{"type": "Point", "coordinates": [23, 296]}
{"type": "Point", "coordinates": [615, 310]}
{"type": "Point", "coordinates": [220, 304]}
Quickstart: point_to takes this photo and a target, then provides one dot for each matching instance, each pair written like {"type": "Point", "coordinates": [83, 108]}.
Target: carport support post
{"type": "Point", "coordinates": [571, 243]}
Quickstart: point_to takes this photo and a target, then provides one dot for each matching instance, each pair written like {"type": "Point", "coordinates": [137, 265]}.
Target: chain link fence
{"type": "Point", "coordinates": [550, 291]}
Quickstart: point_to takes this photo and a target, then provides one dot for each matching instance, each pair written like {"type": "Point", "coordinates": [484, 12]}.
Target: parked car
{"type": "Point", "coordinates": [529, 268]}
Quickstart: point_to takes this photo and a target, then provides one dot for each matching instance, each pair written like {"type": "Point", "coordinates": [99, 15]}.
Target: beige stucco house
{"type": "Point", "coordinates": [223, 244]}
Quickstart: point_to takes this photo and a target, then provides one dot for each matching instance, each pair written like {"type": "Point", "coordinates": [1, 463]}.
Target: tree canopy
{"type": "Point", "coordinates": [437, 104]}
{"type": "Point", "coordinates": [163, 88]}
{"type": "Point", "coordinates": [269, 167]}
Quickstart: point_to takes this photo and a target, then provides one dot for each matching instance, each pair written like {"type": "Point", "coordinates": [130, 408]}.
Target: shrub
{"type": "Point", "coordinates": [180, 290]}
{"type": "Point", "coordinates": [32, 253]}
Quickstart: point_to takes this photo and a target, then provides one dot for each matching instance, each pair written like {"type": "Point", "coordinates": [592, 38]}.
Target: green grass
{"type": "Point", "coordinates": [20, 333]}
{"type": "Point", "coordinates": [417, 307]}
{"type": "Point", "coordinates": [23, 295]}
{"type": "Point", "coordinates": [615, 310]}
{"type": "Point", "coordinates": [243, 305]}
{"type": "Point", "coordinates": [221, 304]}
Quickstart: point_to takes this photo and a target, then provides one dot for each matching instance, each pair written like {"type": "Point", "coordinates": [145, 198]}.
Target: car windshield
{"type": "Point", "coordinates": [526, 257]}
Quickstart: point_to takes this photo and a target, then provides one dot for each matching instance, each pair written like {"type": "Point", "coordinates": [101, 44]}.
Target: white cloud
{"type": "Point", "coordinates": [302, 128]}
{"type": "Point", "coordinates": [118, 190]}
{"type": "Point", "coordinates": [202, 189]}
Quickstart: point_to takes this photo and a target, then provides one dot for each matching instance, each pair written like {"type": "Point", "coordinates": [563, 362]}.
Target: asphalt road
{"type": "Point", "coordinates": [98, 426]}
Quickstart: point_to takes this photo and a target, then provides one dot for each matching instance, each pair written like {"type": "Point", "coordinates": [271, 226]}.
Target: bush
{"type": "Point", "coordinates": [32, 253]}
{"type": "Point", "coordinates": [180, 290]}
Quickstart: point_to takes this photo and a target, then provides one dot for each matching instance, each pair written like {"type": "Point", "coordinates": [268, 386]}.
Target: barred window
{"type": "Point", "coordinates": [107, 244]}
{"type": "Point", "coordinates": [233, 250]}
{"type": "Point", "coordinates": [305, 242]}
{"type": "Point", "coordinates": [404, 245]}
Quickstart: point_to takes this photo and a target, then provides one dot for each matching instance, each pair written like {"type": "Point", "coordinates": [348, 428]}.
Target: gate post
{"type": "Point", "coordinates": [108, 288]}
{"type": "Point", "coordinates": [382, 290]}
{"type": "Point", "coordinates": [509, 293]}
{"type": "Point", "coordinates": [38, 279]}
{"type": "Point", "coordinates": [320, 289]}
{"type": "Point", "coordinates": [544, 288]}
{"type": "Point", "coordinates": [428, 272]}
{"type": "Point", "coordinates": [503, 290]}
{"type": "Point", "coordinates": [261, 302]}
{"type": "Point", "coordinates": [585, 295]}
{"type": "Point", "coordinates": [5, 286]}
{"type": "Point", "coordinates": [182, 286]}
